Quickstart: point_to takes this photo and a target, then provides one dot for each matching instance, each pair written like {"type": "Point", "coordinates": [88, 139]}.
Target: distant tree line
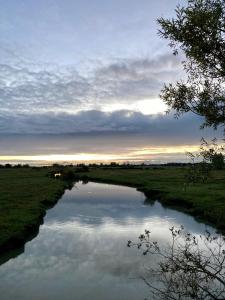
{"type": "Point", "coordinates": [8, 166]}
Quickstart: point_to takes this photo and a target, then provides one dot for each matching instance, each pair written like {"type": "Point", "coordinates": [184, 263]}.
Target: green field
{"type": "Point", "coordinates": [26, 194]}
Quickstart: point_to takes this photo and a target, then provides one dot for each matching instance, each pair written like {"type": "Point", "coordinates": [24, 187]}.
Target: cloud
{"type": "Point", "coordinates": [58, 100]}
{"type": "Point", "coordinates": [135, 79]}
{"type": "Point", "coordinates": [24, 90]}
{"type": "Point", "coordinates": [26, 87]}
{"type": "Point", "coordinates": [98, 121]}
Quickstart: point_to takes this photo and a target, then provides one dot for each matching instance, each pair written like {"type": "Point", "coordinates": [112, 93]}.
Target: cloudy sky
{"type": "Point", "coordinates": [80, 81]}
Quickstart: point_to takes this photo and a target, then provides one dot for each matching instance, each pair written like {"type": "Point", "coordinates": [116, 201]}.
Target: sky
{"type": "Point", "coordinates": [80, 82]}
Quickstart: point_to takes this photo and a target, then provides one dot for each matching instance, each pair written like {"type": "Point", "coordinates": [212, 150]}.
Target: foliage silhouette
{"type": "Point", "coordinates": [190, 267]}
{"type": "Point", "coordinates": [198, 31]}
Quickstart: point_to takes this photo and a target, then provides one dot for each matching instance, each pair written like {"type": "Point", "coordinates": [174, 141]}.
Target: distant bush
{"type": "Point", "coordinates": [68, 174]}
{"type": "Point", "coordinates": [81, 168]}
{"type": "Point", "coordinates": [211, 156]}
{"type": "Point", "coordinates": [218, 161]}
{"type": "Point", "coordinates": [8, 166]}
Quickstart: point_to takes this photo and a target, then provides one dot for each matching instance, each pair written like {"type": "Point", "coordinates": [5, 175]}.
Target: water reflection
{"type": "Point", "coordinates": [80, 252]}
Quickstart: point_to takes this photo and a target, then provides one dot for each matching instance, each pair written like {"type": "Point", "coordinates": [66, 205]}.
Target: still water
{"type": "Point", "coordinates": [80, 252]}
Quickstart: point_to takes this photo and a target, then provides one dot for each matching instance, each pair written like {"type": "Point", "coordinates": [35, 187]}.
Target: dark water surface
{"type": "Point", "coordinates": [81, 253]}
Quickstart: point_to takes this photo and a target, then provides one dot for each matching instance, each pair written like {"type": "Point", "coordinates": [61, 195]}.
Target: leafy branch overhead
{"type": "Point", "coordinates": [199, 32]}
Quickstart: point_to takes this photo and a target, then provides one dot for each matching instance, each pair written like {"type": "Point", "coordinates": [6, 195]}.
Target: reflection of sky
{"type": "Point", "coordinates": [81, 253]}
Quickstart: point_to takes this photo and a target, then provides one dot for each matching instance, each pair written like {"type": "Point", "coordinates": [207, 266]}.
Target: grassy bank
{"type": "Point", "coordinates": [206, 201]}
{"type": "Point", "coordinates": [25, 194]}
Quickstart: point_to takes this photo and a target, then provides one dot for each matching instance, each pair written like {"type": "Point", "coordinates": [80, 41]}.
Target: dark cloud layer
{"type": "Point", "coordinates": [97, 121]}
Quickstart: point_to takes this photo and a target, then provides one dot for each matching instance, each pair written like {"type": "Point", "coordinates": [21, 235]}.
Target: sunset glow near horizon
{"type": "Point", "coordinates": [80, 82]}
{"type": "Point", "coordinates": [137, 155]}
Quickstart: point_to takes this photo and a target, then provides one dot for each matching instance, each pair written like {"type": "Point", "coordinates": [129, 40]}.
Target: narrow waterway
{"type": "Point", "coordinates": [80, 252]}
